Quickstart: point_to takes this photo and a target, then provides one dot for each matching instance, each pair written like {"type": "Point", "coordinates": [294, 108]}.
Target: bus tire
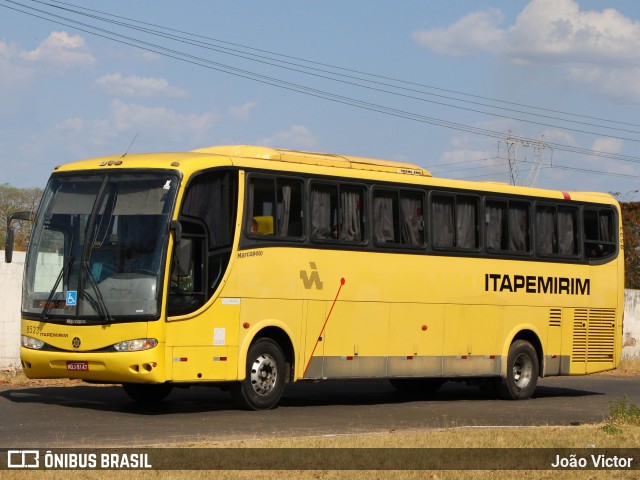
{"type": "Point", "coordinates": [522, 372]}
{"type": "Point", "coordinates": [147, 392]}
{"type": "Point", "coordinates": [264, 382]}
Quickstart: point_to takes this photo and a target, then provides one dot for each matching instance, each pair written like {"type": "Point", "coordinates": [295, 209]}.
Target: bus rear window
{"type": "Point", "coordinates": [599, 233]}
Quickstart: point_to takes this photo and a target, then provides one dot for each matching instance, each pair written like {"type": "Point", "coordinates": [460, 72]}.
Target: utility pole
{"type": "Point", "coordinates": [535, 148]}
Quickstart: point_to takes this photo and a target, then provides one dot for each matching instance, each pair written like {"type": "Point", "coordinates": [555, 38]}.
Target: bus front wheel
{"type": "Point", "coordinates": [265, 377]}
{"type": "Point", "coordinates": [522, 372]}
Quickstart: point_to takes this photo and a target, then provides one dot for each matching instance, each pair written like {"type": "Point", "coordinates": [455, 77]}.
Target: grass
{"type": "Point", "coordinates": [620, 430]}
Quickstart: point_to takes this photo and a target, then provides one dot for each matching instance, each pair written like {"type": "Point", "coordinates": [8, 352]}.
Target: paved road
{"type": "Point", "coordinates": [83, 415]}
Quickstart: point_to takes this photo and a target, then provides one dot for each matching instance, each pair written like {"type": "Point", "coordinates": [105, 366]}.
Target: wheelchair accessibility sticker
{"type": "Point", "coordinates": [72, 297]}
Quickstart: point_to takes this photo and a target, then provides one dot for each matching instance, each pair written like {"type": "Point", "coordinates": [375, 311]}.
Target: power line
{"type": "Point", "coordinates": [342, 78]}
{"type": "Point", "coordinates": [249, 49]}
{"type": "Point", "coordinates": [220, 67]}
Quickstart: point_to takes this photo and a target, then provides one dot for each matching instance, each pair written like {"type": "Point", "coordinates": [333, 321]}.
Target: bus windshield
{"type": "Point", "coordinates": [97, 248]}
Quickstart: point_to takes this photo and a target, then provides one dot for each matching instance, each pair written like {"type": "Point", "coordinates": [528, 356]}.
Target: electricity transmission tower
{"type": "Point", "coordinates": [520, 151]}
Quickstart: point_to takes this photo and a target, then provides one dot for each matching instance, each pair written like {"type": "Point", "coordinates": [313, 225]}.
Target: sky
{"type": "Point", "coordinates": [460, 88]}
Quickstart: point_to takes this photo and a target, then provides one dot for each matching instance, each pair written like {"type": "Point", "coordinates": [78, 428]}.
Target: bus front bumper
{"type": "Point", "coordinates": [122, 367]}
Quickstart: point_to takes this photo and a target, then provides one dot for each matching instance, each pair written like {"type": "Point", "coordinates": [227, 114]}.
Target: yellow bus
{"type": "Point", "coordinates": [250, 267]}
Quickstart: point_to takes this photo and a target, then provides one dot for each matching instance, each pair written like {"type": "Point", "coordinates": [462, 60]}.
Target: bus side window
{"type": "Point", "coordinates": [385, 217]}
{"type": "Point", "coordinates": [262, 195]}
{"type": "Point", "coordinates": [411, 218]}
{"type": "Point", "coordinates": [557, 231]}
{"type": "Point", "coordinates": [497, 228]}
{"type": "Point", "coordinates": [519, 227]}
{"type": "Point", "coordinates": [466, 222]}
{"type": "Point", "coordinates": [507, 226]}
{"type": "Point", "coordinates": [324, 212]}
{"type": "Point", "coordinates": [276, 207]}
{"type": "Point", "coordinates": [337, 213]}
{"type": "Point", "coordinates": [567, 231]}
{"type": "Point", "coordinates": [442, 208]}
{"type": "Point", "coordinates": [351, 223]}
{"type": "Point", "coordinates": [455, 221]}
{"type": "Point", "coordinates": [599, 238]}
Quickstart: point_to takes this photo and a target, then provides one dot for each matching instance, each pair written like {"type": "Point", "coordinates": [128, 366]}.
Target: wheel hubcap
{"type": "Point", "coordinates": [264, 373]}
{"type": "Point", "coordinates": [522, 369]}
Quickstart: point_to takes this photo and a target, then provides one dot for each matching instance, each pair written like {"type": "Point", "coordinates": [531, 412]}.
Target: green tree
{"type": "Point", "coordinates": [631, 232]}
{"type": "Point", "coordinates": [13, 199]}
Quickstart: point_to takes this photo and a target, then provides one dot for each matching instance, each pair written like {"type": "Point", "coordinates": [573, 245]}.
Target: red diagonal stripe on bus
{"type": "Point", "coordinates": [342, 282]}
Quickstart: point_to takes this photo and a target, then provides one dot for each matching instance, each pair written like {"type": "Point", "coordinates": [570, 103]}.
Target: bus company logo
{"type": "Point", "coordinates": [309, 280]}
{"type": "Point", "coordinates": [23, 459]}
{"type": "Point", "coordinates": [75, 343]}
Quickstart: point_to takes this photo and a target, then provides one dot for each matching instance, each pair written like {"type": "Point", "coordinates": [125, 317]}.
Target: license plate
{"type": "Point", "coordinates": [78, 366]}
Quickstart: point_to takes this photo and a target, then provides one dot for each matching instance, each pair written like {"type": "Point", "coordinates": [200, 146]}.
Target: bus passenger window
{"type": "Point", "coordinates": [557, 231]}
{"type": "Point", "coordinates": [519, 236]}
{"type": "Point", "coordinates": [324, 212]}
{"type": "Point", "coordinates": [262, 195]}
{"type": "Point", "coordinates": [455, 221]}
{"type": "Point", "coordinates": [411, 218]}
{"type": "Point", "coordinates": [598, 233]}
{"type": "Point", "coordinates": [467, 222]}
{"type": "Point", "coordinates": [507, 226]}
{"type": "Point", "coordinates": [275, 207]}
{"type": "Point", "coordinates": [351, 224]}
{"type": "Point", "coordinates": [546, 240]}
{"type": "Point", "coordinates": [496, 225]}
{"type": "Point", "coordinates": [337, 213]}
{"type": "Point", "coordinates": [567, 231]}
{"type": "Point", "coordinates": [385, 217]}
{"type": "Point", "coordinates": [442, 214]}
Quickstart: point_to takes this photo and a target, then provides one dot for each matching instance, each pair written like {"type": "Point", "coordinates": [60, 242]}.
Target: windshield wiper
{"type": "Point", "coordinates": [64, 271]}
{"type": "Point", "coordinates": [101, 309]}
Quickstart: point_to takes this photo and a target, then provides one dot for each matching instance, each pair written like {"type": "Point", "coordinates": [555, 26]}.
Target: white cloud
{"type": "Point", "coordinates": [558, 136]}
{"type": "Point", "coordinates": [242, 112]}
{"type": "Point", "coordinates": [298, 136]}
{"type": "Point", "coordinates": [609, 145]}
{"type": "Point", "coordinates": [11, 73]}
{"type": "Point", "coordinates": [619, 84]}
{"type": "Point", "coordinates": [475, 33]}
{"type": "Point", "coordinates": [62, 50]}
{"type": "Point", "coordinates": [596, 49]}
{"type": "Point", "coordinates": [547, 30]}
{"type": "Point", "coordinates": [133, 86]}
{"type": "Point", "coordinates": [558, 30]}
{"type": "Point", "coordinates": [159, 121]}
{"type": "Point", "coordinates": [159, 128]}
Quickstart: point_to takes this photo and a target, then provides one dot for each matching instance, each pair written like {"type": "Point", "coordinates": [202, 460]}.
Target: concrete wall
{"type": "Point", "coordinates": [11, 290]}
{"type": "Point", "coordinates": [10, 293]}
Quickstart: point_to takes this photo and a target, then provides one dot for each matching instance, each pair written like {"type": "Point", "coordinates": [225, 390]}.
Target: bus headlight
{"type": "Point", "coordinates": [136, 345]}
{"type": "Point", "coordinates": [30, 342]}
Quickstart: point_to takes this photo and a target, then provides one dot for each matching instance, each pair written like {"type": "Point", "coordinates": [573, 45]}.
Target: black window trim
{"type": "Point", "coordinates": [370, 185]}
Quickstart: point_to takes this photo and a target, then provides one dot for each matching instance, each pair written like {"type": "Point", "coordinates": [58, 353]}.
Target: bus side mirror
{"type": "Point", "coordinates": [176, 226]}
{"type": "Point", "coordinates": [8, 248]}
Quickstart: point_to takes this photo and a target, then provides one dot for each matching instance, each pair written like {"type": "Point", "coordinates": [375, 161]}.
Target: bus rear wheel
{"type": "Point", "coordinates": [147, 392]}
{"type": "Point", "coordinates": [264, 382]}
{"type": "Point", "coordinates": [522, 372]}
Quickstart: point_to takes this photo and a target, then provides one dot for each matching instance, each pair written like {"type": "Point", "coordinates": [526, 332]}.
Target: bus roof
{"type": "Point", "coordinates": [314, 158]}
{"type": "Point", "coordinates": [252, 156]}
